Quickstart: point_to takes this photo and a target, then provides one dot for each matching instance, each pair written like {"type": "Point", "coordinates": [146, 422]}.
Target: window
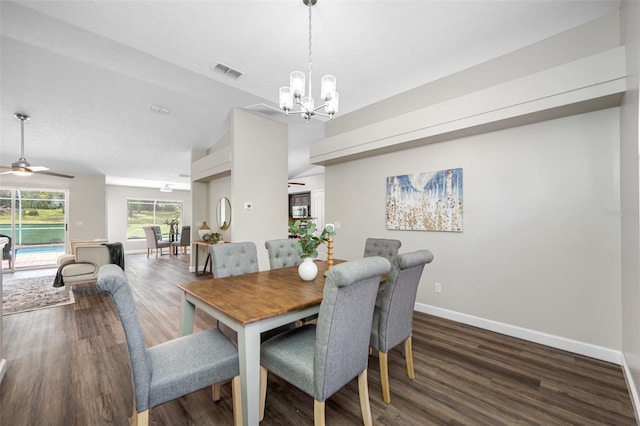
{"type": "Point", "coordinates": [142, 213]}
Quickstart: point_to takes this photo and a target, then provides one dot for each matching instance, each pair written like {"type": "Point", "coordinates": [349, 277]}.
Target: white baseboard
{"type": "Point", "coordinates": [581, 348]}
{"type": "Point", "coordinates": [633, 390]}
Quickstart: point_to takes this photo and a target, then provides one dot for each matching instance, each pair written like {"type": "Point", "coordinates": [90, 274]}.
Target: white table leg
{"type": "Point", "coordinates": [249, 353]}
{"type": "Point", "coordinates": [188, 315]}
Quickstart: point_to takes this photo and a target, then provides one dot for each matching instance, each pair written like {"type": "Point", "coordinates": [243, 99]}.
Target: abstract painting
{"type": "Point", "coordinates": [429, 201]}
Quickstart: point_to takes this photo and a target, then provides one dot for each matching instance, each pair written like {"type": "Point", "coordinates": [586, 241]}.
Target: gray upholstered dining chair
{"type": "Point", "coordinates": [175, 368]}
{"type": "Point", "coordinates": [283, 253]}
{"type": "Point", "coordinates": [320, 359]}
{"type": "Point", "coordinates": [153, 242]}
{"type": "Point", "coordinates": [382, 247]}
{"type": "Point", "coordinates": [184, 241]}
{"type": "Point", "coordinates": [231, 259]}
{"type": "Point", "coordinates": [393, 314]}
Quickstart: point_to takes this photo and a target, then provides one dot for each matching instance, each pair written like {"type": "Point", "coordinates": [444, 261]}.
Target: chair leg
{"type": "Point", "coordinates": [148, 251]}
{"type": "Point", "coordinates": [318, 413]}
{"type": "Point", "coordinates": [215, 392]}
{"type": "Point", "coordinates": [237, 401]}
{"type": "Point", "coordinates": [263, 391]}
{"type": "Point", "coordinates": [408, 349]}
{"type": "Point", "coordinates": [384, 376]}
{"type": "Point", "coordinates": [363, 390]}
{"type": "Point", "coordinates": [141, 418]}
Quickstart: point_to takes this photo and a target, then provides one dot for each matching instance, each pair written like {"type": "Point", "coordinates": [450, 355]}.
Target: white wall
{"type": "Point", "coordinates": [630, 190]}
{"type": "Point", "coordinates": [117, 197]}
{"type": "Point", "coordinates": [540, 247]}
{"type": "Point", "coordinates": [259, 177]}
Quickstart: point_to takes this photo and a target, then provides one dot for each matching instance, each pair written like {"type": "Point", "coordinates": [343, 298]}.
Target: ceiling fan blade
{"type": "Point", "coordinates": [296, 183]}
{"type": "Point", "coordinates": [62, 175]}
{"type": "Point", "coordinates": [7, 172]}
{"type": "Point", "coordinates": [38, 168]}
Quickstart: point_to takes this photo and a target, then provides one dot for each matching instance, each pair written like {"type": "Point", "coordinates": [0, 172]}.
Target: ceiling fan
{"type": "Point", "coordinates": [22, 166]}
{"type": "Point", "coordinates": [295, 183]}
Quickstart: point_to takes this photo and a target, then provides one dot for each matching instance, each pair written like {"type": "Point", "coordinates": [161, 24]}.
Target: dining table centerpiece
{"type": "Point", "coordinates": [308, 241]}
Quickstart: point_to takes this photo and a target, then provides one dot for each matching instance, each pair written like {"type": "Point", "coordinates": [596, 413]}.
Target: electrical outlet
{"type": "Point", "coordinates": [438, 288]}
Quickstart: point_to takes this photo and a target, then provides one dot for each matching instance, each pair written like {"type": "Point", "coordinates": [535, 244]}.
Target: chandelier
{"type": "Point", "coordinates": [295, 92]}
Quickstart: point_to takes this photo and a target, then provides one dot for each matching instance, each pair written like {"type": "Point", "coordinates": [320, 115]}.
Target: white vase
{"type": "Point", "coordinates": [308, 270]}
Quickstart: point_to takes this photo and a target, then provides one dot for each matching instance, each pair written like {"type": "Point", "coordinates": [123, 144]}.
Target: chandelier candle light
{"type": "Point", "coordinates": [296, 89]}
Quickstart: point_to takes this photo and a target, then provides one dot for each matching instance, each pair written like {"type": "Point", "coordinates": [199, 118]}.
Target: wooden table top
{"type": "Point", "coordinates": [253, 297]}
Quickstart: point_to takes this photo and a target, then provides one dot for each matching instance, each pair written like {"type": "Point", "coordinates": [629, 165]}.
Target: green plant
{"type": "Point", "coordinates": [308, 241]}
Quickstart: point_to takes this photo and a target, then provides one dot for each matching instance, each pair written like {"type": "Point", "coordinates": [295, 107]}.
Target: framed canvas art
{"type": "Point", "coordinates": [429, 201]}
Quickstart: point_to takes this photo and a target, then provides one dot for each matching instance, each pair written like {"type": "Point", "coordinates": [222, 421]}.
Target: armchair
{"type": "Point", "coordinates": [84, 266]}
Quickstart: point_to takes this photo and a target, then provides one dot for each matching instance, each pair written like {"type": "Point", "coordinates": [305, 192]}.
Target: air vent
{"type": "Point", "coordinates": [227, 70]}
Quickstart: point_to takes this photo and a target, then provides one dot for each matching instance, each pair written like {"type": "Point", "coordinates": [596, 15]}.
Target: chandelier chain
{"type": "Point", "coordinates": [310, 57]}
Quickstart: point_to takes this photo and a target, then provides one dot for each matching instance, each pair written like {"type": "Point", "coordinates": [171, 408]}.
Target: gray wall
{"type": "Point", "coordinates": [540, 245]}
{"type": "Point", "coordinates": [630, 175]}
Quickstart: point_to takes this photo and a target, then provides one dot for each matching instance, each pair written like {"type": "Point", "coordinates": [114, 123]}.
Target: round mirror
{"type": "Point", "coordinates": [223, 213]}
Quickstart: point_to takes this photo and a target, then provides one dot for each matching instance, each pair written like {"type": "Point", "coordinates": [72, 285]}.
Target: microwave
{"type": "Point", "coordinates": [299, 211]}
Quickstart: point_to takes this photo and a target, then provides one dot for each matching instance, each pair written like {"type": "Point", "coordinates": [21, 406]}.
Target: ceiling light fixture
{"type": "Point", "coordinates": [166, 188]}
{"type": "Point", "coordinates": [295, 90]}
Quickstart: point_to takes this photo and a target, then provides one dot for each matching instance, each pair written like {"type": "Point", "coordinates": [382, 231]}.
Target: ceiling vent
{"type": "Point", "coordinates": [227, 70]}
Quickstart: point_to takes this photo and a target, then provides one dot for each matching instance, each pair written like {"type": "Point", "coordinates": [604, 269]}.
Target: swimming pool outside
{"type": "Point", "coordinates": [35, 256]}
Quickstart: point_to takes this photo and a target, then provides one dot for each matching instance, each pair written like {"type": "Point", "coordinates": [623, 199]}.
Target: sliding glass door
{"type": "Point", "coordinates": [35, 221]}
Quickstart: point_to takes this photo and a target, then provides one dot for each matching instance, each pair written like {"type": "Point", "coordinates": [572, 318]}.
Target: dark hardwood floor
{"type": "Point", "coordinates": [69, 366]}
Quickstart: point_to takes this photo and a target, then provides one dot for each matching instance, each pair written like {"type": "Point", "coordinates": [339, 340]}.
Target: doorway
{"type": "Point", "coordinates": [35, 220]}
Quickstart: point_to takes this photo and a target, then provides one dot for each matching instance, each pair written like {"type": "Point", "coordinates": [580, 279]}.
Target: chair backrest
{"type": "Point", "coordinates": [382, 247]}
{"type": "Point", "coordinates": [76, 243]}
{"type": "Point", "coordinates": [283, 253]}
{"type": "Point", "coordinates": [397, 299]}
{"type": "Point", "coordinates": [185, 235]}
{"type": "Point", "coordinates": [6, 250]}
{"type": "Point", "coordinates": [344, 323]}
{"type": "Point", "coordinates": [97, 254]}
{"type": "Point", "coordinates": [157, 231]}
{"type": "Point", "coordinates": [150, 235]}
{"type": "Point", "coordinates": [230, 259]}
{"type": "Point", "coordinates": [111, 278]}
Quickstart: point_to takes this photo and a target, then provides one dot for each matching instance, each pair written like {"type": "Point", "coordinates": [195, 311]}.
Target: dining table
{"type": "Point", "coordinates": [251, 304]}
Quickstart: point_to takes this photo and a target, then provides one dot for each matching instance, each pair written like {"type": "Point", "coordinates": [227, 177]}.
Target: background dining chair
{"type": "Point", "coordinates": [393, 314]}
{"type": "Point", "coordinates": [175, 368]}
{"type": "Point", "coordinates": [320, 359]}
{"type": "Point", "coordinates": [283, 253]}
{"type": "Point", "coordinates": [382, 247]}
{"type": "Point", "coordinates": [150, 233]}
{"type": "Point", "coordinates": [231, 259]}
{"type": "Point", "coordinates": [184, 242]}
{"type": "Point", "coordinates": [7, 251]}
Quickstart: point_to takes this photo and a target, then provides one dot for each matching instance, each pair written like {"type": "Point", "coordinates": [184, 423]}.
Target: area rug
{"type": "Point", "coordinates": [30, 294]}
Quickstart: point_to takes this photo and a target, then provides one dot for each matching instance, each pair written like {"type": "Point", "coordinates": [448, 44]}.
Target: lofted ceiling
{"type": "Point", "coordinates": [126, 88]}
